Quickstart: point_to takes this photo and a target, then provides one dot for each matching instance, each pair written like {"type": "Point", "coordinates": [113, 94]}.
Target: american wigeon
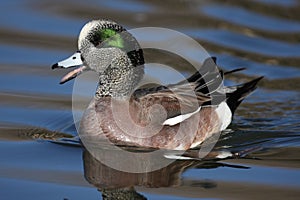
{"type": "Point", "coordinates": [178, 116]}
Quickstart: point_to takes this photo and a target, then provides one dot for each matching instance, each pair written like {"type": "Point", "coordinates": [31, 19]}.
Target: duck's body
{"type": "Point", "coordinates": [178, 116]}
{"type": "Point", "coordinates": [99, 121]}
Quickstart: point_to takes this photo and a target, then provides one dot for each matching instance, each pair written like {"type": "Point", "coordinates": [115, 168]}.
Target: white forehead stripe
{"type": "Point", "coordinates": [86, 29]}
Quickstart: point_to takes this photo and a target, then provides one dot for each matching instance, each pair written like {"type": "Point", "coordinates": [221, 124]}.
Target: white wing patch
{"type": "Point", "coordinates": [196, 144]}
{"type": "Point", "coordinates": [175, 157]}
{"type": "Point", "coordinates": [224, 114]}
{"type": "Point", "coordinates": [180, 118]}
{"type": "Point", "coordinates": [224, 154]}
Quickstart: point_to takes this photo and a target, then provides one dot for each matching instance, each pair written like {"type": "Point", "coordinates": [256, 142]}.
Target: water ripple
{"type": "Point", "coordinates": [230, 62]}
{"type": "Point", "coordinates": [279, 2]}
{"type": "Point", "coordinates": [11, 54]}
{"type": "Point", "coordinates": [250, 19]}
{"type": "Point", "coordinates": [242, 42]}
{"type": "Point", "coordinates": [124, 6]}
{"type": "Point", "coordinates": [19, 15]}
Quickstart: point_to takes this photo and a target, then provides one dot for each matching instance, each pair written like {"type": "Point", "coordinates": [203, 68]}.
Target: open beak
{"type": "Point", "coordinates": [72, 61]}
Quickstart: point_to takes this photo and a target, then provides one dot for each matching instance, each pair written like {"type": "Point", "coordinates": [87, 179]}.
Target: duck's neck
{"type": "Point", "coordinates": [119, 82]}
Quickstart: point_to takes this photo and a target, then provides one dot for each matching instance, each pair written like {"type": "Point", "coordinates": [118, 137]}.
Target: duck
{"type": "Point", "coordinates": [177, 116]}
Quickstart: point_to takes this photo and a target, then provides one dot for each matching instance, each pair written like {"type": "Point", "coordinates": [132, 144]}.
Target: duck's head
{"type": "Point", "coordinates": [101, 43]}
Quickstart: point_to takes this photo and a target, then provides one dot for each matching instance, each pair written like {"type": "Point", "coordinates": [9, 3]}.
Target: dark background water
{"type": "Point", "coordinates": [261, 35]}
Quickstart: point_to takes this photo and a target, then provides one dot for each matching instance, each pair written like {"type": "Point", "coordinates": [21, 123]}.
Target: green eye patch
{"type": "Point", "coordinates": [110, 37]}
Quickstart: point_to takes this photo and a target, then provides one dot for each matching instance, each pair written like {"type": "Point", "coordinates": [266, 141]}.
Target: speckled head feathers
{"type": "Point", "coordinates": [107, 33]}
{"type": "Point", "coordinates": [97, 31]}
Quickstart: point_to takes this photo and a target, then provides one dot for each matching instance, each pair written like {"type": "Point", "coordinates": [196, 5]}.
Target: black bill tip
{"type": "Point", "coordinates": [55, 66]}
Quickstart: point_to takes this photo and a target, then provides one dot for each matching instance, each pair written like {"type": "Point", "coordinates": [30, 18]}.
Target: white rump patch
{"type": "Point", "coordinates": [180, 118]}
{"type": "Point", "coordinates": [224, 114]}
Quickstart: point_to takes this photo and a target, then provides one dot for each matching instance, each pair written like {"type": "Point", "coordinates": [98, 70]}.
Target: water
{"type": "Point", "coordinates": [261, 35]}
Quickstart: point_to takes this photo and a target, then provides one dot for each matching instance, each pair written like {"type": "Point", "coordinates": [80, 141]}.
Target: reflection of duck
{"type": "Point", "coordinates": [113, 183]}
{"type": "Point", "coordinates": [160, 117]}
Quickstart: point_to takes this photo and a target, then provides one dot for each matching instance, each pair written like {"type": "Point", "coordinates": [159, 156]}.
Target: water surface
{"type": "Point", "coordinates": [40, 154]}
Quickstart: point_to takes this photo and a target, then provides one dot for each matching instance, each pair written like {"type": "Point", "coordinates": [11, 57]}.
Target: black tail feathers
{"type": "Point", "coordinates": [241, 91]}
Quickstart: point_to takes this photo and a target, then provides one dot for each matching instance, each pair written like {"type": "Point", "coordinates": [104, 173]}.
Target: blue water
{"type": "Point", "coordinates": [34, 105]}
{"type": "Point", "coordinates": [245, 18]}
{"type": "Point", "coordinates": [251, 44]}
{"type": "Point", "coordinates": [20, 15]}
